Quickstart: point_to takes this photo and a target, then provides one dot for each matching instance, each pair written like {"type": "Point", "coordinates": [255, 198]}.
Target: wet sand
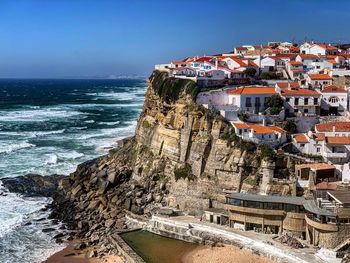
{"type": "Point", "coordinates": [70, 255]}
{"type": "Point", "coordinates": [226, 254]}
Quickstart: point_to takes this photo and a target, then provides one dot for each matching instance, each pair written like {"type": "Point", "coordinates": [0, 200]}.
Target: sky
{"type": "Point", "coordinates": [82, 38]}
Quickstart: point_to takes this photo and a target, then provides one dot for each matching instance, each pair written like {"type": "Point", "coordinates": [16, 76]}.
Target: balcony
{"type": "Point", "coordinates": [321, 226]}
{"type": "Point", "coordinates": [334, 155]}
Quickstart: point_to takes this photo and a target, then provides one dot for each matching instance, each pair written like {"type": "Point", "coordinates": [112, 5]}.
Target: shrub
{"type": "Point", "coordinates": [290, 126]}
{"type": "Point", "coordinates": [170, 89]}
{"type": "Point", "coordinates": [275, 103]}
{"type": "Point", "coordinates": [250, 72]}
{"type": "Point", "coordinates": [267, 152]}
{"type": "Point", "coordinates": [146, 124]}
{"type": "Point", "coordinates": [229, 136]}
{"type": "Point", "coordinates": [265, 75]}
{"type": "Point", "coordinates": [184, 172]}
{"type": "Point", "coordinates": [243, 116]}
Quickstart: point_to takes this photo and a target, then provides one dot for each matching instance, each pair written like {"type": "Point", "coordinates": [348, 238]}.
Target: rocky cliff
{"type": "Point", "coordinates": [182, 155]}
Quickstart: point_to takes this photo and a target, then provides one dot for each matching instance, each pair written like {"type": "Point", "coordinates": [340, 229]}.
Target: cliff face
{"type": "Point", "coordinates": [182, 155]}
{"type": "Point", "coordinates": [190, 146]}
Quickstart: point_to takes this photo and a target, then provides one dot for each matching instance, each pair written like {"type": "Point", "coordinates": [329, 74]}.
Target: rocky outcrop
{"type": "Point", "coordinates": [182, 156]}
{"type": "Point", "coordinates": [31, 185]}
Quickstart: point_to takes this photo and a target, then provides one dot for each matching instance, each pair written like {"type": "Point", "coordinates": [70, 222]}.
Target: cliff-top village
{"type": "Point", "coordinates": [294, 99]}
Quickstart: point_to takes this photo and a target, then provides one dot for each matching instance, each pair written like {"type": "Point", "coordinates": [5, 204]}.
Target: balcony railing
{"type": "Point", "coordinates": [311, 221]}
{"type": "Point", "coordinates": [334, 155]}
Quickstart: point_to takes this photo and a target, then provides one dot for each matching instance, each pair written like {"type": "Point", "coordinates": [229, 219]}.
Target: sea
{"type": "Point", "coordinates": [49, 127]}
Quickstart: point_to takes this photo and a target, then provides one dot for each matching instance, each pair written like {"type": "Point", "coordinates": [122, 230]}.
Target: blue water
{"type": "Point", "coordinates": [48, 127]}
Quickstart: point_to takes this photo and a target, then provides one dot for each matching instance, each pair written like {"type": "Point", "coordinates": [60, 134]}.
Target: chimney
{"type": "Point", "coordinates": [264, 121]}
{"type": "Point", "coordinates": [216, 63]}
{"type": "Point", "coordinates": [333, 129]}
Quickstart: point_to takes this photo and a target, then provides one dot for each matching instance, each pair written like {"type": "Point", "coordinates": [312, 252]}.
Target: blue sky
{"type": "Point", "coordinates": [75, 38]}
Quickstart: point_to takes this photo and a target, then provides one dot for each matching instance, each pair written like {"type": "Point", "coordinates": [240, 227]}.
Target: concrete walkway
{"type": "Point", "coordinates": [262, 243]}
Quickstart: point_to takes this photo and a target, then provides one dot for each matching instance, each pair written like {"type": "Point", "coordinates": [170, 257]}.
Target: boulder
{"type": "Point", "coordinates": [109, 223]}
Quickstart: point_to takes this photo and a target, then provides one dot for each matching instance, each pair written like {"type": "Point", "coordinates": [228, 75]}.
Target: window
{"type": "Point", "coordinates": [315, 101]}
{"type": "Point", "coordinates": [306, 101]}
{"type": "Point", "coordinates": [287, 99]}
{"type": "Point", "coordinates": [318, 149]}
{"type": "Point", "coordinates": [295, 110]}
{"type": "Point", "coordinates": [248, 102]}
{"type": "Point", "coordinates": [306, 111]}
{"type": "Point", "coordinates": [302, 145]}
{"type": "Point", "coordinates": [296, 101]}
{"type": "Point", "coordinates": [333, 99]}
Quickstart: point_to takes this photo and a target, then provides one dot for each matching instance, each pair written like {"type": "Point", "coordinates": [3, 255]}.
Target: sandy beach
{"type": "Point", "coordinates": [70, 255]}
{"type": "Point", "coordinates": [226, 254]}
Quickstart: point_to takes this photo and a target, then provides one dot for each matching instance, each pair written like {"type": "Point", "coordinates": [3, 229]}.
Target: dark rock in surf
{"type": "Point", "coordinates": [32, 185]}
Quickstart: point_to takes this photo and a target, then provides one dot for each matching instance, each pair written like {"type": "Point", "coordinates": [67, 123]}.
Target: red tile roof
{"type": "Point", "coordinates": [338, 140]}
{"type": "Point", "coordinates": [326, 186]}
{"type": "Point", "coordinates": [299, 92]}
{"type": "Point", "coordinates": [320, 76]}
{"type": "Point", "coordinates": [295, 63]}
{"type": "Point", "coordinates": [327, 47]}
{"type": "Point", "coordinates": [315, 166]}
{"type": "Point", "coordinates": [259, 129]}
{"type": "Point", "coordinates": [341, 126]}
{"type": "Point", "coordinates": [308, 56]}
{"type": "Point", "coordinates": [253, 90]}
{"type": "Point", "coordinates": [282, 85]}
{"type": "Point", "coordinates": [333, 88]}
{"type": "Point", "coordinates": [319, 136]}
{"type": "Point", "coordinates": [300, 138]}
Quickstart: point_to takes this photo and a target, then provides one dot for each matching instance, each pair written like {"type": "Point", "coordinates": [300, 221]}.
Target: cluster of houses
{"type": "Point", "coordinates": [311, 84]}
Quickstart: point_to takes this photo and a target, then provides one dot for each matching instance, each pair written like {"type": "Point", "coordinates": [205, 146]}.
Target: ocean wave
{"type": "Point", "coordinates": [109, 123]}
{"type": "Point", "coordinates": [36, 115]}
{"type": "Point", "coordinates": [52, 159]}
{"type": "Point", "coordinates": [15, 146]}
{"type": "Point", "coordinates": [121, 96]}
{"type": "Point", "coordinates": [44, 133]}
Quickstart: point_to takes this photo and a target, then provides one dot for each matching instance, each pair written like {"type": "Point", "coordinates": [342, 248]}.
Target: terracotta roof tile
{"type": "Point", "coordinates": [300, 138]}
{"type": "Point", "coordinates": [333, 88]}
{"type": "Point", "coordinates": [259, 129]}
{"type": "Point", "coordinates": [253, 90]}
{"type": "Point", "coordinates": [341, 126]}
{"type": "Point", "coordinates": [338, 140]}
{"type": "Point", "coordinates": [315, 166]}
{"type": "Point", "coordinates": [299, 92]}
{"type": "Point", "coordinates": [320, 76]}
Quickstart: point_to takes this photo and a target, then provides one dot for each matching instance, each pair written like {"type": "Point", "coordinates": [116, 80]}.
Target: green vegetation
{"type": "Point", "coordinates": [184, 172]}
{"type": "Point", "coordinates": [290, 126]}
{"type": "Point", "coordinates": [275, 103]}
{"type": "Point", "coordinates": [268, 75]}
{"type": "Point", "coordinates": [146, 124]}
{"type": "Point", "coordinates": [243, 116]}
{"type": "Point", "coordinates": [250, 72]}
{"type": "Point", "coordinates": [170, 89]}
{"type": "Point", "coordinates": [229, 136]}
{"type": "Point", "coordinates": [267, 152]}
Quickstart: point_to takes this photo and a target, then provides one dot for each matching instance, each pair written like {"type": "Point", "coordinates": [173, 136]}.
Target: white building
{"type": "Point", "coordinates": [268, 64]}
{"type": "Point", "coordinates": [318, 49]}
{"type": "Point", "coordinates": [300, 101]}
{"type": "Point", "coordinates": [271, 135]}
{"type": "Point", "coordinates": [334, 100]}
{"type": "Point", "coordinates": [308, 60]}
{"type": "Point", "coordinates": [250, 99]}
{"type": "Point", "coordinates": [319, 80]}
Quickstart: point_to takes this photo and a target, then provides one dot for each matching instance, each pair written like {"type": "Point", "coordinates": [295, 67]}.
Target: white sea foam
{"type": "Point", "coordinates": [51, 159]}
{"type": "Point", "coordinates": [109, 123]}
{"type": "Point", "coordinates": [43, 133]}
{"type": "Point", "coordinates": [12, 147]}
{"type": "Point", "coordinates": [36, 115]}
